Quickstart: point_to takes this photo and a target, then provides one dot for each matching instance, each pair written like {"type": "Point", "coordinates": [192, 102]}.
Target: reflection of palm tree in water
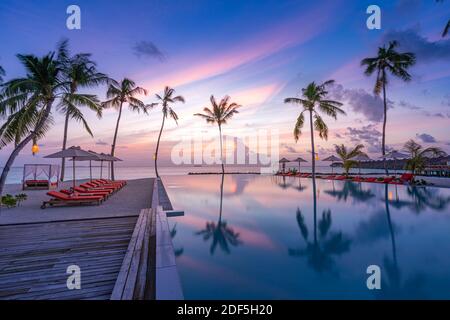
{"type": "Point", "coordinates": [421, 199]}
{"type": "Point", "coordinates": [219, 232]}
{"type": "Point", "coordinates": [393, 288]}
{"type": "Point", "coordinates": [351, 189]}
{"type": "Point", "coordinates": [324, 245]}
{"type": "Point", "coordinates": [425, 198]}
{"type": "Point", "coordinates": [178, 251]}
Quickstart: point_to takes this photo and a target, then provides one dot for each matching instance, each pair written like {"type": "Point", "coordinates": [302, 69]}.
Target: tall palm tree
{"type": "Point", "coordinates": [165, 101]}
{"type": "Point", "coordinates": [418, 155]}
{"type": "Point", "coordinates": [347, 155]}
{"type": "Point", "coordinates": [388, 60]}
{"type": "Point", "coordinates": [118, 94]}
{"type": "Point", "coordinates": [221, 112]}
{"type": "Point", "coordinates": [27, 104]}
{"type": "Point", "coordinates": [220, 233]}
{"type": "Point", "coordinates": [79, 71]}
{"type": "Point", "coordinates": [314, 100]}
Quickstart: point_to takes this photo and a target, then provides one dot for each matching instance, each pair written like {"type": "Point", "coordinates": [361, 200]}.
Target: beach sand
{"type": "Point", "coordinates": [129, 201]}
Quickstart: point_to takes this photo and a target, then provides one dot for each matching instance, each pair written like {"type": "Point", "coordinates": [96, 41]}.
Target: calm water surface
{"type": "Point", "coordinates": [261, 237]}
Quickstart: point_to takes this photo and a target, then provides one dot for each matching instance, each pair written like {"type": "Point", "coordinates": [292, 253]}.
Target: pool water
{"type": "Point", "coordinates": [266, 237]}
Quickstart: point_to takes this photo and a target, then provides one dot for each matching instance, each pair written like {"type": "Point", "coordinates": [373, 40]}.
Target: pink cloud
{"type": "Point", "coordinates": [294, 32]}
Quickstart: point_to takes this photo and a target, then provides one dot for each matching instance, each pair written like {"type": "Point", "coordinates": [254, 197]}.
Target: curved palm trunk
{"type": "Point", "coordinates": [157, 145]}
{"type": "Point", "coordinates": [113, 147]}
{"type": "Point", "coordinates": [221, 150]}
{"type": "Point", "coordinates": [383, 143]}
{"type": "Point", "coordinates": [63, 160]}
{"type": "Point", "coordinates": [22, 144]}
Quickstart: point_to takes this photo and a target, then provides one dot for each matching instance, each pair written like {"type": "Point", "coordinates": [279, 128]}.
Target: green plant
{"type": "Point", "coordinates": [9, 201]}
{"type": "Point", "coordinates": [20, 198]}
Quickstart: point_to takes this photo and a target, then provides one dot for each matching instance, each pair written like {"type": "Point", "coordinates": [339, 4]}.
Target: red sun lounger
{"type": "Point", "coordinates": [59, 198]}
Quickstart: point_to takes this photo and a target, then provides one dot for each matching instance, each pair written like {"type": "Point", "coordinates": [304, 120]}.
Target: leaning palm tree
{"type": "Point", "coordinates": [348, 155]}
{"type": "Point", "coordinates": [27, 104]}
{"type": "Point", "coordinates": [418, 155]}
{"type": "Point", "coordinates": [314, 100]}
{"type": "Point", "coordinates": [387, 61]}
{"type": "Point", "coordinates": [165, 100]}
{"type": "Point", "coordinates": [79, 71]}
{"type": "Point", "coordinates": [221, 112]}
{"type": "Point", "coordinates": [118, 94]}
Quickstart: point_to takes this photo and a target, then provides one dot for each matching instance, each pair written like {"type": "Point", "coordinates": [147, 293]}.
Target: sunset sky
{"type": "Point", "coordinates": [258, 52]}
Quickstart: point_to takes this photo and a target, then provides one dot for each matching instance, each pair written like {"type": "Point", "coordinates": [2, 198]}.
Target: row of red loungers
{"type": "Point", "coordinates": [404, 178]}
{"type": "Point", "coordinates": [90, 193]}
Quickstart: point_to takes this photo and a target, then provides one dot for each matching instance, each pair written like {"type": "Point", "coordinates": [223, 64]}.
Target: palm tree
{"type": "Point", "coordinates": [219, 114]}
{"type": "Point", "coordinates": [387, 61]}
{"type": "Point", "coordinates": [324, 245]}
{"type": "Point", "coordinates": [220, 233]}
{"type": "Point", "coordinates": [118, 94]}
{"type": "Point", "coordinates": [27, 103]}
{"type": "Point", "coordinates": [165, 100]}
{"type": "Point", "coordinates": [314, 100]}
{"type": "Point", "coordinates": [78, 71]}
{"type": "Point", "coordinates": [347, 155]}
{"type": "Point", "coordinates": [418, 155]}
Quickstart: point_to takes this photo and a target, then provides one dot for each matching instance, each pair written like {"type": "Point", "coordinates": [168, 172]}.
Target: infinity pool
{"type": "Point", "coordinates": [262, 237]}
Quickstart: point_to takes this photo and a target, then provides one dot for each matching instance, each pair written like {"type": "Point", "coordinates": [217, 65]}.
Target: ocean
{"type": "Point", "coordinates": [130, 173]}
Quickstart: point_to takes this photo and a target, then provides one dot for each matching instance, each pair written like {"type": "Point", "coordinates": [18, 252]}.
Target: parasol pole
{"type": "Point", "coordinates": [73, 177]}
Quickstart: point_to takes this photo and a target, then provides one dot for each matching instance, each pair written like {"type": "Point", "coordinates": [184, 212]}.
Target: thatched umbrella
{"type": "Point", "coordinates": [283, 162]}
{"type": "Point", "coordinates": [394, 154]}
{"type": "Point", "coordinates": [76, 153]}
{"type": "Point", "coordinates": [299, 160]}
{"type": "Point", "coordinates": [332, 159]}
{"type": "Point", "coordinates": [359, 158]}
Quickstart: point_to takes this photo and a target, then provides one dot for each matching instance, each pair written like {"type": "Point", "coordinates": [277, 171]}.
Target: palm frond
{"type": "Point", "coordinates": [298, 126]}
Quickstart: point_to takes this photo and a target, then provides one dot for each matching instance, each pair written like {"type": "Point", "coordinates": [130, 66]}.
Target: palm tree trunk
{"type": "Point", "coordinates": [157, 145]}
{"type": "Point", "coordinates": [313, 151]}
{"type": "Point", "coordinates": [383, 143]}
{"type": "Point", "coordinates": [22, 144]}
{"type": "Point", "coordinates": [113, 147]}
{"type": "Point", "coordinates": [221, 198]}
{"type": "Point", "coordinates": [63, 160]}
{"type": "Point", "coordinates": [221, 150]}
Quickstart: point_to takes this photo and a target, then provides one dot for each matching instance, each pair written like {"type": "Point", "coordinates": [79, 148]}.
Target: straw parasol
{"type": "Point", "coordinates": [394, 154]}
{"type": "Point", "coordinates": [109, 158]}
{"type": "Point", "coordinates": [283, 162]}
{"type": "Point", "coordinates": [299, 160]}
{"type": "Point", "coordinates": [359, 158]}
{"type": "Point", "coordinates": [332, 159]}
{"type": "Point", "coordinates": [76, 153]}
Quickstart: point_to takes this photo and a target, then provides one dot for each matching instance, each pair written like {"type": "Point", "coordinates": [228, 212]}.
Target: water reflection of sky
{"type": "Point", "coordinates": [266, 242]}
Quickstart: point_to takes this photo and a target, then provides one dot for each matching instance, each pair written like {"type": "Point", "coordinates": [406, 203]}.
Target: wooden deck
{"type": "Point", "coordinates": [34, 257]}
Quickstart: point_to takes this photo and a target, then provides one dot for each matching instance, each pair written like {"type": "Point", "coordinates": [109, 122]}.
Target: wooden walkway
{"type": "Point", "coordinates": [34, 257]}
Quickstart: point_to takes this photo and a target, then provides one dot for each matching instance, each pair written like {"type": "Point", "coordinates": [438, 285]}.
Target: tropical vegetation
{"type": "Point", "coordinates": [314, 101]}
{"type": "Point", "coordinates": [118, 94]}
{"type": "Point", "coordinates": [78, 71]}
{"type": "Point", "coordinates": [165, 101]}
{"type": "Point", "coordinates": [418, 155]}
{"type": "Point", "coordinates": [388, 61]}
{"type": "Point", "coordinates": [347, 156]}
{"type": "Point", "coordinates": [219, 114]}
{"type": "Point", "coordinates": [27, 103]}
